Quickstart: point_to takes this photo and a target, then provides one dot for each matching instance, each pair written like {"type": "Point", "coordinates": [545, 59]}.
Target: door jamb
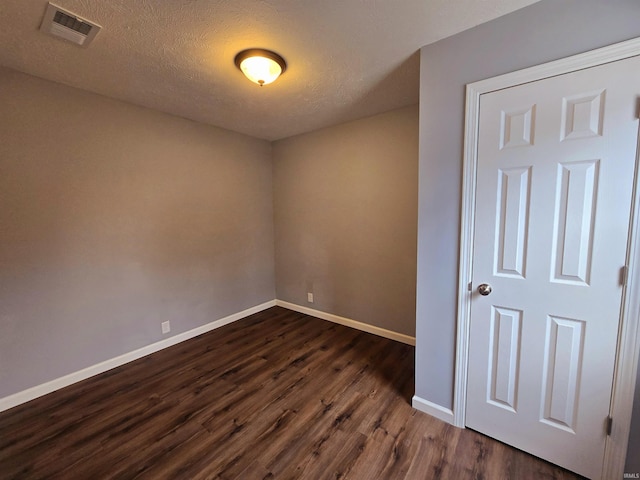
{"type": "Point", "coordinates": [629, 332]}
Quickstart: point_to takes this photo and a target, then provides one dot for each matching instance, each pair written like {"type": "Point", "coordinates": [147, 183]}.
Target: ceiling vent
{"type": "Point", "coordinates": [62, 23]}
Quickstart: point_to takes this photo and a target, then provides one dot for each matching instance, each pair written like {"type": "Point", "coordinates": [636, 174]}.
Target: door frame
{"type": "Point", "coordinates": [629, 331]}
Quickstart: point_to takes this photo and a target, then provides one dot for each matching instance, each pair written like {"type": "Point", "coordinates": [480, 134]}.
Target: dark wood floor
{"type": "Point", "coordinates": [278, 395]}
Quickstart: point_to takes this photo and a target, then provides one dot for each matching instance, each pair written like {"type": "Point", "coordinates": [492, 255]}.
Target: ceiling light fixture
{"type": "Point", "coordinates": [260, 66]}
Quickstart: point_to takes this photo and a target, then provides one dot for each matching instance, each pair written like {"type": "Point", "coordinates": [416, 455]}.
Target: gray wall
{"type": "Point", "coordinates": [345, 219]}
{"type": "Point", "coordinates": [114, 219]}
{"type": "Point", "coordinates": [542, 32]}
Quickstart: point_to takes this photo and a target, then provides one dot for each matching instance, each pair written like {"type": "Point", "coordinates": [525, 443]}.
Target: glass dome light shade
{"type": "Point", "coordinates": [260, 66]}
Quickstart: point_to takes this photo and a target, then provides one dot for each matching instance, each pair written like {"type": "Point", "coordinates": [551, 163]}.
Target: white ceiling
{"type": "Point", "coordinates": [346, 59]}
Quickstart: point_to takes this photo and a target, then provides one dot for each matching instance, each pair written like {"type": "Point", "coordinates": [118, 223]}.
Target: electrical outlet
{"type": "Point", "coordinates": [166, 327]}
{"type": "Point", "coordinates": [310, 297]}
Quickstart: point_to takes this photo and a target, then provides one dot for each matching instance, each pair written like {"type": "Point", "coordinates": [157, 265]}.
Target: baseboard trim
{"type": "Point", "coordinates": [39, 390]}
{"type": "Point", "coordinates": [51, 386]}
{"type": "Point", "coordinates": [430, 408]}
{"type": "Point", "coordinates": [347, 322]}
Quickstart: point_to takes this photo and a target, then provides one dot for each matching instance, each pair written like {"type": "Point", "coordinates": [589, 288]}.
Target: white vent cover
{"type": "Point", "coordinates": [62, 23]}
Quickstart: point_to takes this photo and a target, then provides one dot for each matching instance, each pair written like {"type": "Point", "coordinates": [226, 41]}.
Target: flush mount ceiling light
{"type": "Point", "coordinates": [260, 66]}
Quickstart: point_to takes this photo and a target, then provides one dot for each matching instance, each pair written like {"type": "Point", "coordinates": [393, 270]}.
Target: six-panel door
{"type": "Point", "coordinates": [556, 163]}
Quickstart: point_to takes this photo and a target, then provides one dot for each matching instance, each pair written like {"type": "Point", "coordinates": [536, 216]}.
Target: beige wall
{"type": "Point", "coordinates": [116, 218]}
{"type": "Point", "coordinates": [345, 201]}
{"type": "Point", "coordinates": [113, 219]}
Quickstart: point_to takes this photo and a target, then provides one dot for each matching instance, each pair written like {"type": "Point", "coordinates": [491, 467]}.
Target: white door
{"type": "Point", "coordinates": [556, 163]}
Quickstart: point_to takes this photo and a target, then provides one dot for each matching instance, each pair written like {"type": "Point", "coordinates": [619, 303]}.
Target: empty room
{"type": "Point", "coordinates": [265, 239]}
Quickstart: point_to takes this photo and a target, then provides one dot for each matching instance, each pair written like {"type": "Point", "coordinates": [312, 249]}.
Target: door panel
{"type": "Point", "coordinates": [562, 367]}
{"type": "Point", "coordinates": [574, 221]}
{"type": "Point", "coordinates": [556, 162]}
{"type": "Point", "coordinates": [504, 348]}
{"type": "Point", "coordinates": [513, 220]}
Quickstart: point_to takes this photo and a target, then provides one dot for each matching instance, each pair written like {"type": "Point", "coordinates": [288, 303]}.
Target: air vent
{"type": "Point", "coordinates": [62, 23]}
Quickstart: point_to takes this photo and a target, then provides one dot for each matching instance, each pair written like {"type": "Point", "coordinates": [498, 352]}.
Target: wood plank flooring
{"type": "Point", "coordinates": [278, 395]}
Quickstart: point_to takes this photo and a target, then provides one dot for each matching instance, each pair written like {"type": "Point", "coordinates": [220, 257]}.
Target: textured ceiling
{"type": "Point", "coordinates": [347, 59]}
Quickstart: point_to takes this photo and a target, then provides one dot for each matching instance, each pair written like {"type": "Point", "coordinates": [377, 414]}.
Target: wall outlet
{"type": "Point", "coordinates": [166, 327]}
{"type": "Point", "coordinates": [310, 297]}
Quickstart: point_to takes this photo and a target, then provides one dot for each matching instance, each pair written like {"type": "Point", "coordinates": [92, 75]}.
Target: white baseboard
{"type": "Point", "coordinates": [61, 382]}
{"type": "Point", "coordinates": [382, 332]}
{"type": "Point", "coordinates": [53, 385]}
{"type": "Point", "coordinates": [438, 411]}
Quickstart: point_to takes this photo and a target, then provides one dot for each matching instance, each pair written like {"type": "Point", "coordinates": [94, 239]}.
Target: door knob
{"type": "Point", "coordinates": [484, 289]}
